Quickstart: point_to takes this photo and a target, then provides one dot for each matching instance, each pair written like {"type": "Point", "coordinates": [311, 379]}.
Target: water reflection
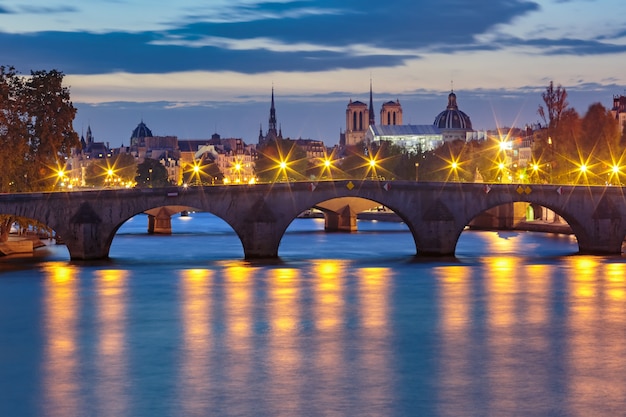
{"type": "Point", "coordinates": [285, 360]}
{"type": "Point", "coordinates": [60, 374]}
{"type": "Point", "coordinates": [112, 356]}
{"type": "Point", "coordinates": [596, 339]}
{"type": "Point", "coordinates": [237, 369]}
{"type": "Point", "coordinates": [455, 374]}
{"type": "Point", "coordinates": [374, 371]}
{"type": "Point", "coordinates": [196, 318]}
{"type": "Point", "coordinates": [329, 345]}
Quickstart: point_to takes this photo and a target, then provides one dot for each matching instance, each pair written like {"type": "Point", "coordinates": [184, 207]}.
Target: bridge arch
{"type": "Point", "coordinates": [164, 212]}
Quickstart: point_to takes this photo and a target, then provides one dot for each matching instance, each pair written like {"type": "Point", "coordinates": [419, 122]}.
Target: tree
{"type": "Point", "coordinates": [36, 132]}
{"type": "Point", "coordinates": [151, 174]}
{"type": "Point", "coordinates": [555, 100]}
{"type": "Point", "coordinates": [599, 144]}
{"type": "Point", "coordinates": [13, 132]}
{"type": "Point", "coordinates": [281, 160]}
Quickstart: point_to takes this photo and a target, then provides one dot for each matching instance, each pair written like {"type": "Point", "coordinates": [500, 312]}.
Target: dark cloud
{"type": "Point", "coordinates": [403, 27]}
{"type": "Point", "coordinates": [47, 10]}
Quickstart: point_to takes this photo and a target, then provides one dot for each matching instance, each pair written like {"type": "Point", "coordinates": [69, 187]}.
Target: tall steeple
{"type": "Point", "coordinates": [272, 131]}
{"type": "Point", "coordinates": [272, 121]}
{"type": "Point", "coordinates": [372, 117]}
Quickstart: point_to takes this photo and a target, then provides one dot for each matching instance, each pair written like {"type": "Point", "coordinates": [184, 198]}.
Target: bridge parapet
{"type": "Point", "coordinates": [436, 213]}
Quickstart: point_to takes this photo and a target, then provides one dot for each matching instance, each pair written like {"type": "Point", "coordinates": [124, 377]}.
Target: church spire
{"type": "Point", "coordinates": [372, 116]}
{"type": "Point", "coordinates": [272, 121]}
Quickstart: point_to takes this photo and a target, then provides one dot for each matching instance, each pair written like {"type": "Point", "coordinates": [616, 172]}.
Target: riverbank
{"type": "Point", "coordinates": [20, 244]}
{"type": "Point", "coordinates": [524, 225]}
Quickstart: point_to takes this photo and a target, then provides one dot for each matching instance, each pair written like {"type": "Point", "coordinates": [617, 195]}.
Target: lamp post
{"type": "Point", "coordinates": [417, 164]}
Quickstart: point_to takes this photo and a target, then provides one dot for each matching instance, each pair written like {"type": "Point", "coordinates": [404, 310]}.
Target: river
{"type": "Point", "coordinates": [516, 324]}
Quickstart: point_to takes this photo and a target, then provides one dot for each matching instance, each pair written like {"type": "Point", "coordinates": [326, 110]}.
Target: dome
{"type": "Point", "coordinates": [452, 117]}
{"type": "Point", "coordinates": [141, 131]}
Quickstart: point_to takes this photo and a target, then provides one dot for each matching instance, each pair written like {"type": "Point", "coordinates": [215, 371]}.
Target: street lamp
{"type": "Point", "coordinates": [535, 168]}
{"type": "Point", "coordinates": [283, 168]}
{"type": "Point", "coordinates": [238, 170]}
{"type": "Point", "coordinates": [417, 164]}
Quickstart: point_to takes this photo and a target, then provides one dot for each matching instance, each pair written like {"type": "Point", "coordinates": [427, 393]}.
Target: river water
{"type": "Point", "coordinates": [341, 325]}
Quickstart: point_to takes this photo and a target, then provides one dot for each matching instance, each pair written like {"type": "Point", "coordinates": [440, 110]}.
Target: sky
{"type": "Point", "coordinates": [192, 68]}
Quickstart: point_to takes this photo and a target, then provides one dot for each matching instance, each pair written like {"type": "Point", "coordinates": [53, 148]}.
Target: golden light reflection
{"type": "Point", "coordinates": [329, 294]}
{"type": "Point", "coordinates": [195, 290]}
{"type": "Point", "coordinates": [374, 289]}
{"type": "Point", "coordinates": [112, 360]}
{"type": "Point", "coordinates": [537, 286]}
{"type": "Point", "coordinates": [60, 385]}
{"type": "Point", "coordinates": [328, 279]}
{"type": "Point", "coordinates": [453, 297]}
{"type": "Point", "coordinates": [285, 359]}
{"type": "Point", "coordinates": [500, 277]}
{"type": "Point", "coordinates": [238, 288]}
{"type": "Point", "coordinates": [616, 275]}
{"type": "Point", "coordinates": [239, 318]}
{"type": "Point", "coordinates": [374, 296]}
{"type": "Point", "coordinates": [585, 349]}
{"type": "Point", "coordinates": [284, 293]}
{"type": "Point", "coordinates": [502, 288]}
{"type": "Point", "coordinates": [498, 244]}
{"type": "Point", "coordinates": [454, 287]}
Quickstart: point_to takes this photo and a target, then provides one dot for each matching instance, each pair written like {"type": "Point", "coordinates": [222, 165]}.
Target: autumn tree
{"type": "Point", "coordinates": [13, 132]}
{"type": "Point", "coordinates": [599, 144]}
{"type": "Point", "coordinates": [36, 132]}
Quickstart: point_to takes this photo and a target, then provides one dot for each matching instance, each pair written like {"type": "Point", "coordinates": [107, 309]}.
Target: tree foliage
{"type": "Point", "coordinates": [273, 153]}
{"type": "Point", "coordinates": [151, 174]}
{"type": "Point", "coordinates": [36, 133]}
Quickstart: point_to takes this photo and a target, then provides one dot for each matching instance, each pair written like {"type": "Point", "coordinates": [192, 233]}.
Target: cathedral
{"type": "Point", "coordinates": [449, 125]}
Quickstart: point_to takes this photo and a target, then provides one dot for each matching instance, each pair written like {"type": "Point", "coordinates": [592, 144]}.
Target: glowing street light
{"type": "Point", "coordinates": [238, 170]}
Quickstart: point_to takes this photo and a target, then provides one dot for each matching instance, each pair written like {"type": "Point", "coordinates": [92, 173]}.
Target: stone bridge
{"type": "Point", "coordinates": [435, 213]}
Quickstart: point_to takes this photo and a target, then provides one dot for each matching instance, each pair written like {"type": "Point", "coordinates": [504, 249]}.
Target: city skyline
{"type": "Point", "coordinates": [190, 70]}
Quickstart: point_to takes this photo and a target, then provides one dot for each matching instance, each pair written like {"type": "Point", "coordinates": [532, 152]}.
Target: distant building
{"type": "Point", "coordinates": [234, 159]}
{"type": "Point", "coordinates": [413, 138]}
{"type": "Point", "coordinates": [619, 110]}
{"type": "Point", "coordinates": [391, 113]}
{"type": "Point", "coordinates": [453, 123]}
{"type": "Point", "coordinates": [358, 119]}
{"type": "Point", "coordinates": [272, 132]}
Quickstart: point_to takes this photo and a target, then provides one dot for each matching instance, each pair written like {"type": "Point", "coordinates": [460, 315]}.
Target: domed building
{"type": "Point", "coordinates": [139, 135]}
{"type": "Point", "coordinates": [453, 123]}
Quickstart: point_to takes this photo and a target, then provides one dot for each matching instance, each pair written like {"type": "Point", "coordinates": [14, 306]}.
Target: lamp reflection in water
{"type": "Point", "coordinates": [374, 313]}
{"type": "Point", "coordinates": [238, 310]}
{"type": "Point", "coordinates": [284, 361]}
{"type": "Point", "coordinates": [328, 312]}
{"type": "Point", "coordinates": [195, 291]}
{"type": "Point", "coordinates": [595, 332]}
{"type": "Point", "coordinates": [112, 361]}
{"type": "Point", "coordinates": [60, 384]}
{"type": "Point", "coordinates": [454, 286]}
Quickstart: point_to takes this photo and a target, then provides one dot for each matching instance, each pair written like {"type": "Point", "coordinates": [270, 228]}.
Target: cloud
{"type": "Point", "coordinates": [46, 10]}
{"type": "Point", "coordinates": [271, 36]}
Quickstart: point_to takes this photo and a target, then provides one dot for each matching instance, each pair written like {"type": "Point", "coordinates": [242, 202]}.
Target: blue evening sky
{"type": "Point", "coordinates": [191, 68]}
